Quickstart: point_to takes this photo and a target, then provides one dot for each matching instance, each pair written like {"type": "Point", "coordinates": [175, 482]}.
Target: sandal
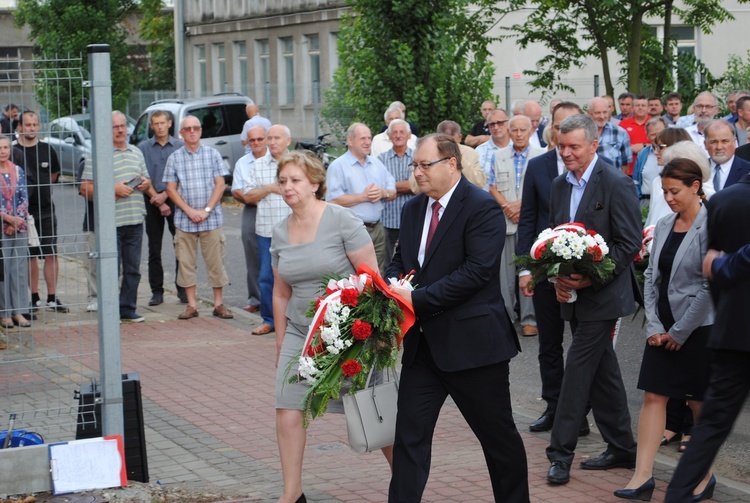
{"type": "Point", "coordinates": [263, 329]}
{"type": "Point", "coordinates": [6, 322]}
{"type": "Point", "coordinates": [674, 438]}
{"type": "Point", "coordinates": [21, 321]}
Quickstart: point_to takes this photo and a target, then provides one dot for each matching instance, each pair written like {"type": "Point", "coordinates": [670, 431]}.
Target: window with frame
{"type": "Point", "coordinates": [286, 68]}
{"type": "Point", "coordinates": [263, 72]}
{"type": "Point", "coordinates": [9, 64]}
{"type": "Point", "coordinates": [219, 69]}
{"type": "Point", "coordinates": [240, 67]}
{"type": "Point", "coordinates": [313, 54]}
{"type": "Point", "coordinates": [201, 84]}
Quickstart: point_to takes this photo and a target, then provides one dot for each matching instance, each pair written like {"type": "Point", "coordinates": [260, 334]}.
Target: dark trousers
{"type": "Point", "coordinates": [483, 397]}
{"type": "Point", "coordinates": [391, 238]}
{"type": "Point", "coordinates": [727, 391]}
{"type": "Point", "coordinates": [250, 246]}
{"type": "Point", "coordinates": [551, 328]}
{"type": "Point", "coordinates": [591, 373]}
{"type": "Point", "coordinates": [155, 232]}
{"type": "Point", "coordinates": [129, 241]}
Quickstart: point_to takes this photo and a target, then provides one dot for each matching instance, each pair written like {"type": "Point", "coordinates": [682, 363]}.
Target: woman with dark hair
{"type": "Point", "coordinates": [679, 315]}
{"type": "Point", "coordinates": [316, 240]}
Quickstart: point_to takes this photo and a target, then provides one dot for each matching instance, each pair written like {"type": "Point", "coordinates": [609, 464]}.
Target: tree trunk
{"type": "Point", "coordinates": [601, 45]}
{"type": "Point", "coordinates": [666, 50]}
{"type": "Point", "coordinates": [634, 53]}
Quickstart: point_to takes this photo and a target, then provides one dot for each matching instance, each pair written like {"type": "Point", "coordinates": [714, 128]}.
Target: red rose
{"type": "Point", "coordinates": [591, 232]}
{"type": "Point", "coordinates": [596, 253]}
{"type": "Point", "coordinates": [540, 251]}
{"type": "Point", "coordinates": [361, 330]}
{"type": "Point", "coordinates": [351, 367]}
{"type": "Point", "coordinates": [349, 296]}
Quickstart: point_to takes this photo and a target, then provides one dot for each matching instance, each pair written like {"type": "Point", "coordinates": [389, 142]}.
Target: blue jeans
{"type": "Point", "coordinates": [129, 241]}
{"type": "Point", "coordinates": [265, 279]}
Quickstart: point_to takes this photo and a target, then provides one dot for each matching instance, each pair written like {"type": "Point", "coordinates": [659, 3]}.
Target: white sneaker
{"type": "Point", "coordinates": [92, 307]}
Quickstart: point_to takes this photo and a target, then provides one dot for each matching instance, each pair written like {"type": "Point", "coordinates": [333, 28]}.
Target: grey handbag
{"type": "Point", "coordinates": [371, 414]}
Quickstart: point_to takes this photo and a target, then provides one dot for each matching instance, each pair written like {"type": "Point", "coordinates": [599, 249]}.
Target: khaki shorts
{"type": "Point", "coordinates": [213, 249]}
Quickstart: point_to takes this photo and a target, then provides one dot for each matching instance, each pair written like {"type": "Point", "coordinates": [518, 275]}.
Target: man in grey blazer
{"type": "Point", "coordinates": [604, 200]}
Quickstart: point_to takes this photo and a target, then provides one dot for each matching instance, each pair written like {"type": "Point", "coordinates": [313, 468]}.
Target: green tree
{"type": "Point", "coordinates": [430, 54]}
{"type": "Point", "coordinates": [573, 30]}
{"type": "Point", "coordinates": [157, 29]}
{"type": "Point", "coordinates": [62, 29]}
{"type": "Point", "coordinates": [735, 78]}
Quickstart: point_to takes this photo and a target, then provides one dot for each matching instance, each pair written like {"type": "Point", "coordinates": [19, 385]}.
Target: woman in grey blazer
{"type": "Point", "coordinates": [679, 315]}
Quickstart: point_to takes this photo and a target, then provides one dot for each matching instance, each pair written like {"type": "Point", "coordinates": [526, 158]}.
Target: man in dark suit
{"type": "Point", "coordinates": [452, 235]}
{"type": "Point", "coordinates": [533, 220]}
{"type": "Point", "coordinates": [721, 144]}
{"type": "Point", "coordinates": [604, 200]}
{"type": "Point", "coordinates": [743, 152]}
{"type": "Point", "coordinates": [730, 369]}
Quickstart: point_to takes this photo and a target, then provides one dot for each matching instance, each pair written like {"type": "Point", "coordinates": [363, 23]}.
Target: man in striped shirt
{"type": "Point", "coordinates": [131, 179]}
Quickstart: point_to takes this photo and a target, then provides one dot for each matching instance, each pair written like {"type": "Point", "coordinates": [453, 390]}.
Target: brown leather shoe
{"type": "Point", "coordinates": [262, 329]}
{"type": "Point", "coordinates": [189, 312]}
{"type": "Point", "coordinates": [251, 309]}
{"type": "Point", "coordinates": [529, 331]}
{"type": "Point", "coordinates": [222, 312]}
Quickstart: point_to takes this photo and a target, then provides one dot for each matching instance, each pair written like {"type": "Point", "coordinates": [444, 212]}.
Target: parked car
{"type": "Point", "coordinates": [222, 117]}
{"type": "Point", "coordinates": [71, 138]}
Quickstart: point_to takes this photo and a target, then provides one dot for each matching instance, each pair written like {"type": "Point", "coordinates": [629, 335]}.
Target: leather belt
{"type": "Point", "coordinates": [371, 225]}
{"type": "Point", "coordinates": [645, 196]}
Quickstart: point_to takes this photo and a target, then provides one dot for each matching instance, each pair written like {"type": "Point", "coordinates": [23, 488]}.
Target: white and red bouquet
{"type": "Point", "coordinates": [357, 324]}
{"type": "Point", "coordinates": [565, 250]}
{"type": "Point", "coordinates": [648, 238]}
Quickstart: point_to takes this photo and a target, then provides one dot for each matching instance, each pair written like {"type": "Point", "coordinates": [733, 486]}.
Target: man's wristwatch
{"type": "Point", "coordinates": [207, 209]}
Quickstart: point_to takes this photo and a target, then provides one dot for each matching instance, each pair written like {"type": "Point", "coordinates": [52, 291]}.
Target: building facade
{"type": "Point", "coordinates": [280, 53]}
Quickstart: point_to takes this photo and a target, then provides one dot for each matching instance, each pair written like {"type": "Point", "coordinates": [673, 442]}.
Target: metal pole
{"type": "Point", "coordinates": [316, 106]}
{"type": "Point", "coordinates": [596, 85]}
{"type": "Point", "coordinates": [110, 359]}
{"type": "Point", "coordinates": [507, 95]}
{"type": "Point", "coordinates": [179, 48]}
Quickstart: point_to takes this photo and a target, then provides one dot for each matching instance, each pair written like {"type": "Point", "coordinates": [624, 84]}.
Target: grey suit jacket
{"type": "Point", "coordinates": [505, 178]}
{"type": "Point", "coordinates": [689, 293]}
{"type": "Point", "coordinates": [610, 207]}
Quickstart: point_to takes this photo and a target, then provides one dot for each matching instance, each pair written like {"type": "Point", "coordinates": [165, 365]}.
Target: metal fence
{"type": "Point", "coordinates": [42, 366]}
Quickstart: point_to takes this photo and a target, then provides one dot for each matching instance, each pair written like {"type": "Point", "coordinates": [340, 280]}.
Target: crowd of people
{"type": "Point", "coordinates": [453, 212]}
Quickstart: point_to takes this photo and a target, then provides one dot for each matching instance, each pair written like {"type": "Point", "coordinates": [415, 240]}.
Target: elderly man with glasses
{"type": "Point", "coordinates": [194, 175]}
{"type": "Point", "coordinates": [131, 179]}
{"type": "Point", "coordinates": [497, 122]}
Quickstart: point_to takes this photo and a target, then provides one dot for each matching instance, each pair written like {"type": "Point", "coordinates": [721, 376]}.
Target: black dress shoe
{"type": "Point", "coordinates": [182, 296]}
{"type": "Point", "coordinates": [559, 473]}
{"type": "Point", "coordinates": [642, 493]}
{"type": "Point", "coordinates": [606, 461]}
{"type": "Point", "coordinates": [585, 430]}
{"type": "Point", "coordinates": [544, 423]}
{"type": "Point", "coordinates": [156, 299]}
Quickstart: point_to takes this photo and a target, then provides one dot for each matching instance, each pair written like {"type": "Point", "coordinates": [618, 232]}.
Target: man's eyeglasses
{"type": "Point", "coordinates": [496, 123]}
{"type": "Point", "coordinates": [705, 107]}
{"type": "Point", "coordinates": [119, 126]}
{"type": "Point", "coordinates": [191, 129]}
{"type": "Point", "coordinates": [425, 166]}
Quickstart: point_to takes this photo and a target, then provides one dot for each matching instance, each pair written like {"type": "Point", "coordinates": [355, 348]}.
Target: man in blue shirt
{"type": "Point", "coordinates": [396, 161]}
{"type": "Point", "coordinates": [361, 182]}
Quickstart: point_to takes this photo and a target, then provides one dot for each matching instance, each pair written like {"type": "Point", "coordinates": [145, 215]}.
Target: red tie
{"type": "Point", "coordinates": [433, 224]}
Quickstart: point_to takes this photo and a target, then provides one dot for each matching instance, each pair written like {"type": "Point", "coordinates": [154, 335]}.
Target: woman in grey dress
{"type": "Point", "coordinates": [316, 240]}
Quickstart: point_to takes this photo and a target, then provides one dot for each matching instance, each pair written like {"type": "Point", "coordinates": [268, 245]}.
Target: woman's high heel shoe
{"type": "Point", "coordinates": [301, 499]}
{"type": "Point", "coordinates": [642, 493]}
{"type": "Point", "coordinates": [708, 492]}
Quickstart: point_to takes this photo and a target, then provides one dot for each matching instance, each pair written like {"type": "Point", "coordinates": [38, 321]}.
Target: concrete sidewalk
{"type": "Point", "coordinates": [208, 389]}
{"type": "Point", "coordinates": [209, 407]}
